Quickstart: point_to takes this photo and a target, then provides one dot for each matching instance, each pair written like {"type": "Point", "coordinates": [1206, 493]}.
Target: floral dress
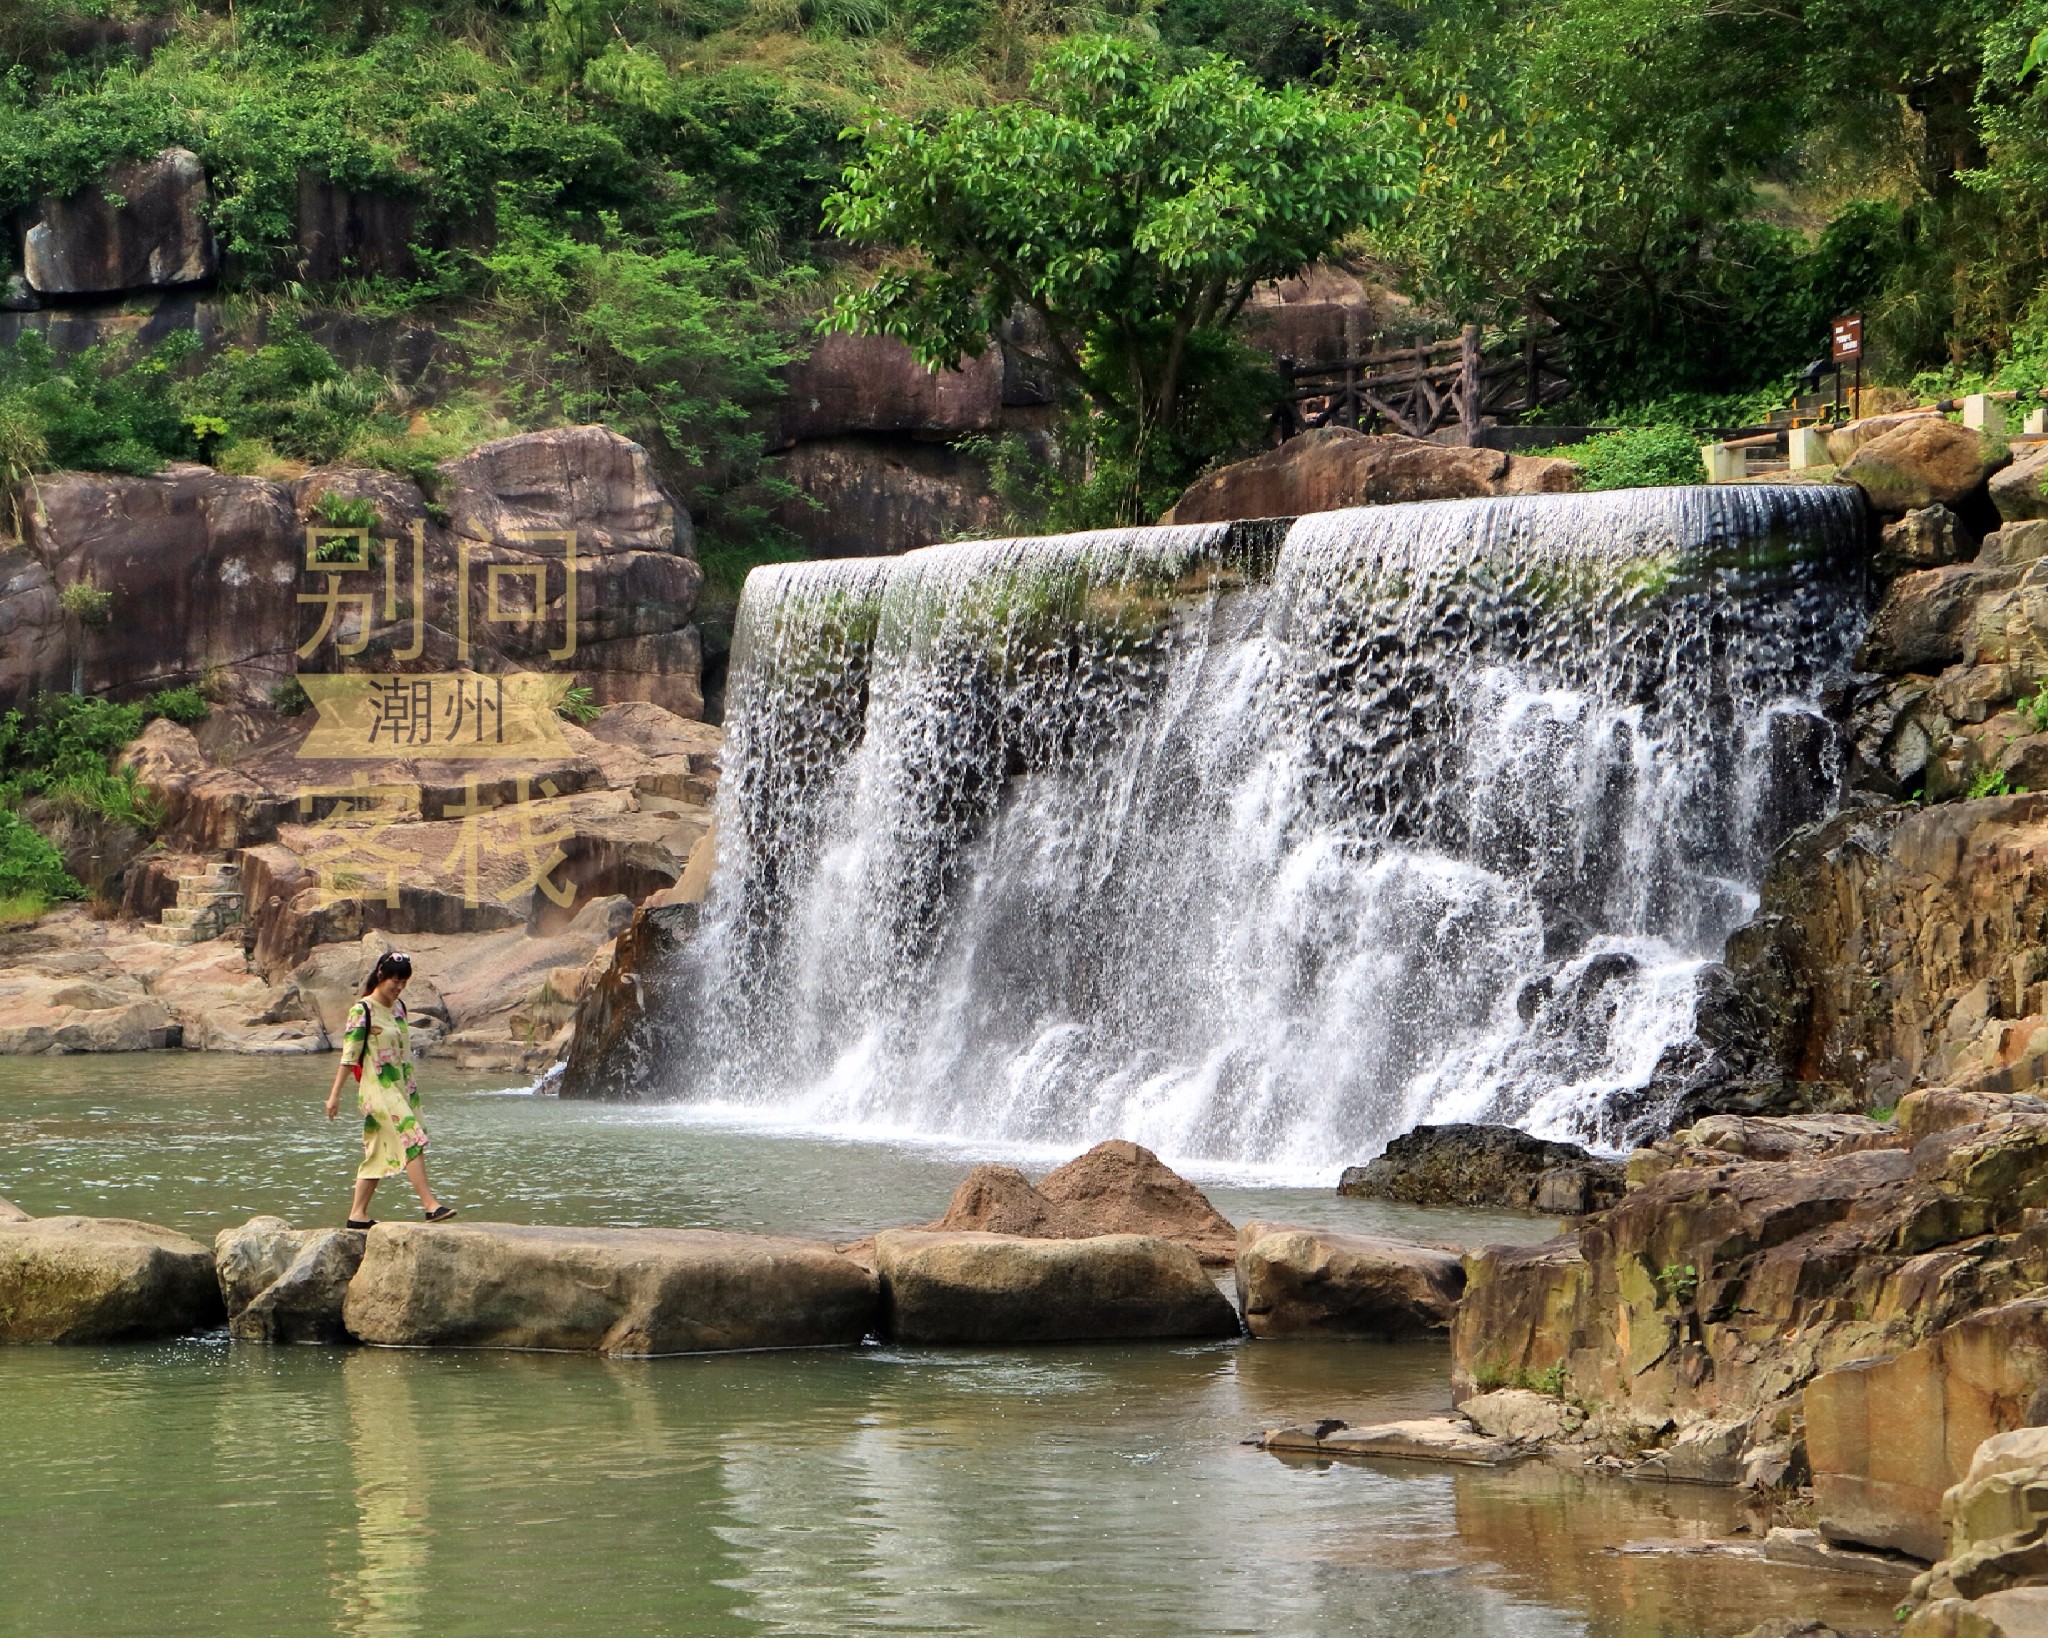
{"type": "Point", "coordinates": [377, 1042]}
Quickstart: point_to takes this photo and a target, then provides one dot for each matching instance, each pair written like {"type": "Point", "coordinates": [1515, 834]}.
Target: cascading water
{"type": "Point", "coordinates": [1260, 851]}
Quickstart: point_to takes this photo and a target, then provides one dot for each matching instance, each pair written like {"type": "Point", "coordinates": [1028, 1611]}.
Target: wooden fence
{"type": "Point", "coordinates": [1418, 390]}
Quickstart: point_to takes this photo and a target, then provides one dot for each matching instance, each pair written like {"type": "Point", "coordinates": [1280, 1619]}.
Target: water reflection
{"type": "Point", "coordinates": [385, 1596]}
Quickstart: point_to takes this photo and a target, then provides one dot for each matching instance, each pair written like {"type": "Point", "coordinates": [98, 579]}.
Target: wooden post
{"type": "Point", "coordinates": [1532, 372]}
{"type": "Point", "coordinates": [1470, 387]}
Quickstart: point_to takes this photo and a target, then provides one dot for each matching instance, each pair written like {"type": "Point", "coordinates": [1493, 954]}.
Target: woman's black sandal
{"type": "Point", "coordinates": [440, 1214]}
{"type": "Point", "coordinates": [362, 1222]}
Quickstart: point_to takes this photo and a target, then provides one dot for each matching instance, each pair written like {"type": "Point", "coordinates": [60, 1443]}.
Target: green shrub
{"type": "Point", "coordinates": [185, 705]}
{"type": "Point", "coordinates": [291, 698]}
{"type": "Point", "coordinates": [104, 410]}
{"type": "Point", "coordinates": [337, 513]}
{"type": "Point", "coordinates": [290, 394]}
{"type": "Point", "coordinates": [578, 705]}
{"type": "Point", "coordinates": [62, 748]}
{"type": "Point", "coordinates": [31, 869]}
{"type": "Point", "coordinates": [87, 604]}
{"type": "Point", "coordinates": [1636, 458]}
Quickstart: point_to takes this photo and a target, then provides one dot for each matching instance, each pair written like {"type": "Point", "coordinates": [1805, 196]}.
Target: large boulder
{"type": "Point", "coordinates": [859, 495]}
{"type": "Point", "coordinates": [1334, 467]}
{"type": "Point", "coordinates": [588, 479]}
{"type": "Point", "coordinates": [874, 384]}
{"type": "Point", "coordinates": [1930, 538]}
{"type": "Point", "coordinates": [200, 568]}
{"type": "Point", "coordinates": [102, 1279]}
{"type": "Point", "coordinates": [613, 1291]}
{"type": "Point", "coordinates": [282, 1284]}
{"type": "Point", "coordinates": [1306, 1282]}
{"type": "Point", "coordinates": [1887, 1438]}
{"type": "Point", "coordinates": [972, 1288]}
{"type": "Point", "coordinates": [617, 1051]}
{"type": "Point", "coordinates": [1926, 460]}
{"type": "Point", "coordinates": [2017, 492]}
{"type": "Point", "coordinates": [141, 227]}
{"type": "Point", "coordinates": [2018, 1612]}
{"type": "Point", "coordinates": [1464, 1164]}
{"type": "Point", "coordinates": [1995, 1520]}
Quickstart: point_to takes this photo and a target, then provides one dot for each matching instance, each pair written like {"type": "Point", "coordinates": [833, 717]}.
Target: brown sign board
{"type": "Point", "coordinates": [1848, 338]}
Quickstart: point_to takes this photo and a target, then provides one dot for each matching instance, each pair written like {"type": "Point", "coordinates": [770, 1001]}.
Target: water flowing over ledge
{"type": "Point", "coordinates": [1261, 844]}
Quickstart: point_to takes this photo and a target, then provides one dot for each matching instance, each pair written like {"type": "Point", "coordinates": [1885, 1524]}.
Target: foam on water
{"type": "Point", "coordinates": [1260, 852]}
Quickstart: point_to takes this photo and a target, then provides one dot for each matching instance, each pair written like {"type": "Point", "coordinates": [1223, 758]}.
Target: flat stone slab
{"type": "Point", "coordinates": [1427, 1439]}
{"type": "Point", "coordinates": [1812, 1549]}
{"type": "Point", "coordinates": [102, 1279]}
{"type": "Point", "coordinates": [599, 1290]}
{"type": "Point", "coordinates": [970, 1287]}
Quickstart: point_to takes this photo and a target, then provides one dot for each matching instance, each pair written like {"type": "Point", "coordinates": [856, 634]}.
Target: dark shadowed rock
{"type": "Point", "coordinates": [1476, 1165]}
{"type": "Point", "coordinates": [141, 227]}
{"type": "Point", "coordinates": [994, 1289]}
{"type": "Point", "coordinates": [874, 384]}
{"type": "Point", "coordinates": [614, 1291]}
{"type": "Point", "coordinates": [1306, 1282]}
{"type": "Point", "coordinates": [304, 1303]}
{"type": "Point", "coordinates": [860, 495]}
{"type": "Point", "coordinates": [617, 1051]}
{"type": "Point", "coordinates": [102, 1279]}
{"type": "Point", "coordinates": [1923, 623]}
{"type": "Point", "coordinates": [1334, 467]}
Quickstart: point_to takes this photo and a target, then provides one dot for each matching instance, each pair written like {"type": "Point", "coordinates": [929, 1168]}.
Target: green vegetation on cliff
{"type": "Point", "coordinates": [618, 209]}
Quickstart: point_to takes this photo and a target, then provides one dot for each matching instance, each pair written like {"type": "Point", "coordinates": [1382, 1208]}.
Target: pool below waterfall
{"type": "Point", "coordinates": [203, 1486]}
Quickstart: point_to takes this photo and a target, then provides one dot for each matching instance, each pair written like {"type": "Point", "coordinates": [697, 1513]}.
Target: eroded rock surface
{"type": "Point", "coordinates": [612, 1291]}
{"type": "Point", "coordinates": [282, 1284]}
{"type": "Point", "coordinates": [102, 1279]}
{"type": "Point", "coordinates": [142, 226]}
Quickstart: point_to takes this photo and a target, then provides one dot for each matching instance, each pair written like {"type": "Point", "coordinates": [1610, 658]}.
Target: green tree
{"type": "Point", "coordinates": [1132, 211]}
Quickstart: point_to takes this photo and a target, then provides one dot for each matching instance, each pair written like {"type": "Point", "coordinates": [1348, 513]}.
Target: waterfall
{"type": "Point", "coordinates": [1261, 844]}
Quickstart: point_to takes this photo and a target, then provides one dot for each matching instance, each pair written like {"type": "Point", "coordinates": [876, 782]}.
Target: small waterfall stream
{"type": "Point", "coordinates": [1261, 844]}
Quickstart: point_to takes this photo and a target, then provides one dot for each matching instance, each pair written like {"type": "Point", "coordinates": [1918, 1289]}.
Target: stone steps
{"type": "Point", "coordinates": [209, 903]}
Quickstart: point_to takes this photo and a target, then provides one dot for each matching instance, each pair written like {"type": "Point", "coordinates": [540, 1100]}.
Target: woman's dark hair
{"type": "Point", "coordinates": [391, 964]}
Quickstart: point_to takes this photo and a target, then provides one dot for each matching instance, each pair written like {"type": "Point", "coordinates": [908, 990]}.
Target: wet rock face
{"type": "Point", "coordinates": [1334, 467]}
{"type": "Point", "coordinates": [617, 1051]}
{"type": "Point", "coordinates": [997, 1289]}
{"type": "Point", "coordinates": [1710, 1296]}
{"type": "Point", "coordinates": [1476, 1165]}
{"type": "Point", "coordinates": [102, 1279]}
{"type": "Point", "coordinates": [142, 227]}
{"type": "Point", "coordinates": [1305, 1282]}
{"type": "Point", "coordinates": [613, 1291]}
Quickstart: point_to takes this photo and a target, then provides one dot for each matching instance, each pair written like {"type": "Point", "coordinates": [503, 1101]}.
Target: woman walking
{"type": "Point", "coordinates": [376, 1045]}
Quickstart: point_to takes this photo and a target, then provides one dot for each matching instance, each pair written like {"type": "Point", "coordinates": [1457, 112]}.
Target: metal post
{"type": "Point", "coordinates": [1469, 386]}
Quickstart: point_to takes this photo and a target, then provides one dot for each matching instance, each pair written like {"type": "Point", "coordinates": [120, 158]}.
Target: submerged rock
{"type": "Point", "coordinates": [1306, 1282]}
{"type": "Point", "coordinates": [996, 1288]}
{"type": "Point", "coordinates": [1425, 1439]}
{"type": "Point", "coordinates": [102, 1279]}
{"type": "Point", "coordinates": [613, 1291]}
{"type": "Point", "coordinates": [1466, 1164]}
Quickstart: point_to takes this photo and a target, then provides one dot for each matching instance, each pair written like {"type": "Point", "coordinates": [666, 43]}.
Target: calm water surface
{"type": "Point", "coordinates": [203, 1487]}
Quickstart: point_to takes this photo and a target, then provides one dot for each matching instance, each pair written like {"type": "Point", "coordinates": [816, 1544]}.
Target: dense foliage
{"type": "Point", "coordinates": [1132, 212]}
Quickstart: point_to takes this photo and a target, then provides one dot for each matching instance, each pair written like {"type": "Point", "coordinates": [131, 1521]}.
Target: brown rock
{"type": "Point", "coordinates": [1924, 622]}
{"type": "Point", "coordinates": [11, 1213]}
{"type": "Point", "coordinates": [1425, 1439]}
{"type": "Point", "coordinates": [617, 1052]}
{"type": "Point", "coordinates": [141, 227]}
{"type": "Point", "coordinates": [1466, 1164]}
{"type": "Point", "coordinates": [2019, 1612]}
{"type": "Point", "coordinates": [874, 384]}
{"type": "Point", "coordinates": [1121, 1188]}
{"type": "Point", "coordinates": [248, 1259]}
{"type": "Point", "coordinates": [1924, 461]}
{"type": "Point", "coordinates": [305, 1302]}
{"type": "Point", "coordinates": [102, 1279]}
{"type": "Point", "coordinates": [2017, 544]}
{"type": "Point", "coordinates": [1930, 538]}
{"type": "Point", "coordinates": [2017, 490]}
{"type": "Point", "coordinates": [865, 496]}
{"type": "Point", "coordinates": [1844, 441]}
{"type": "Point", "coordinates": [1888, 1437]}
{"type": "Point", "coordinates": [1305, 1282]}
{"type": "Point", "coordinates": [614, 1291]}
{"type": "Point", "coordinates": [588, 479]}
{"type": "Point", "coordinates": [1001, 1200]}
{"type": "Point", "coordinates": [998, 1289]}
{"type": "Point", "coordinates": [1334, 467]}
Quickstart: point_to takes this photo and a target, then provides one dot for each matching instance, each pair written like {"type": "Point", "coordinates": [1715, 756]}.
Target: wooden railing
{"type": "Point", "coordinates": [1418, 390]}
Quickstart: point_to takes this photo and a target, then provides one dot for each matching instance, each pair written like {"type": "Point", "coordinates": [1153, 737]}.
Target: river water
{"type": "Point", "coordinates": [205, 1487]}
